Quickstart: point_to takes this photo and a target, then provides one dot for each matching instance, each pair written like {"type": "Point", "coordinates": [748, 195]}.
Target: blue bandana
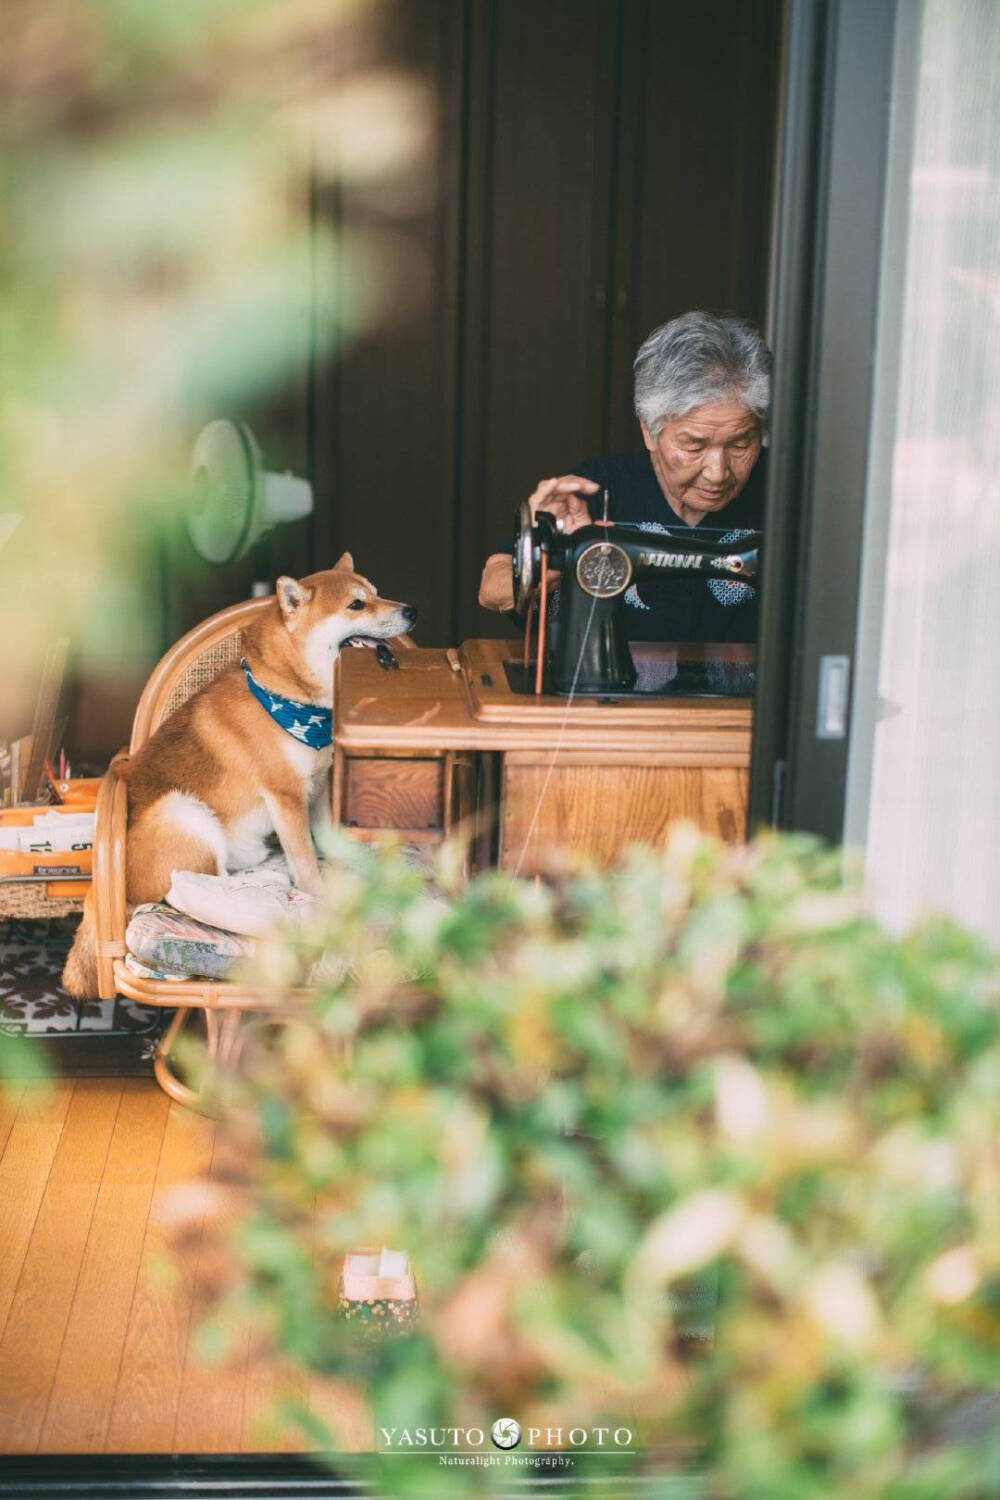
{"type": "Point", "coordinates": [305, 722]}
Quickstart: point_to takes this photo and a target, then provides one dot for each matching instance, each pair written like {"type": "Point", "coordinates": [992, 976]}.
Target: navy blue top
{"type": "Point", "coordinates": [678, 609]}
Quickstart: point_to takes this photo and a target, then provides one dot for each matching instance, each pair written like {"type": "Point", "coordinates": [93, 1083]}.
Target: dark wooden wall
{"type": "Point", "coordinates": [595, 168]}
{"type": "Point", "coordinates": [600, 167]}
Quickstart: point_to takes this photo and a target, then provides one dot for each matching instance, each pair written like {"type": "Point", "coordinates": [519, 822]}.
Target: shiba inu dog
{"type": "Point", "coordinates": [246, 758]}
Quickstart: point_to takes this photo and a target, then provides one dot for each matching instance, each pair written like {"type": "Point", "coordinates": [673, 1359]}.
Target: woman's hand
{"type": "Point", "coordinates": [563, 499]}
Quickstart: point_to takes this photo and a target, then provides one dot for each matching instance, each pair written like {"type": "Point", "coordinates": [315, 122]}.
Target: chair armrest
{"type": "Point", "coordinates": [110, 915]}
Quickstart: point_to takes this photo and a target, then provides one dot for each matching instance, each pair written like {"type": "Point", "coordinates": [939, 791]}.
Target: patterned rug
{"type": "Point", "coordinates": [33, 1002]}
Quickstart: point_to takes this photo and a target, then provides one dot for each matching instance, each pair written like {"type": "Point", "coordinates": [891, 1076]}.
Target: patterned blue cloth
{"type": "Point", "coordinates": [727, 591]}
{"type": "Point", "coordinates": [306, 722]}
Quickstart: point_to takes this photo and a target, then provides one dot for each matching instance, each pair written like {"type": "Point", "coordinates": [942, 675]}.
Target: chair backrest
{"type": "Point", "coordinates": [191, 664]}
{"type": "Point", "coordinates": [196, 660]}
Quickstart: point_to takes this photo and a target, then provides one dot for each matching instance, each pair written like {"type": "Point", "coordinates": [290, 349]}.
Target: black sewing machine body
{"type": "Point", "coordinates": [587, 649]}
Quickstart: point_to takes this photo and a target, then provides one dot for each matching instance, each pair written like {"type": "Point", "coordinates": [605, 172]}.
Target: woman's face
{"type": "Point", "coordinates": [703, 459]}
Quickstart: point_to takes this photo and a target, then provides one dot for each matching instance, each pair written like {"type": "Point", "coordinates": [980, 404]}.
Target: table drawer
{"type": "Point", "coordinates": [405, 795]}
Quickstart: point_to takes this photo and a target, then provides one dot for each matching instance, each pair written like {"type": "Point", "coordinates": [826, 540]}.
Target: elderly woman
{"type": "Point", "coordinates": [702, 391]}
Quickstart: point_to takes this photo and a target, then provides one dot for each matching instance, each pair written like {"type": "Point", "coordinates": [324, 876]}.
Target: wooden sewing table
{"type": "Point", "coordinates": [444, 742]}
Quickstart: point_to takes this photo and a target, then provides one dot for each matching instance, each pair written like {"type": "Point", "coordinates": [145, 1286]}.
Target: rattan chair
{"type": "Point", "coordinates": [190, 665]}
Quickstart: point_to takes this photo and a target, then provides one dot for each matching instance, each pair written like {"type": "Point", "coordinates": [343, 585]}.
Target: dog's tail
{"type": "Point", "coordinates": [79, 976]}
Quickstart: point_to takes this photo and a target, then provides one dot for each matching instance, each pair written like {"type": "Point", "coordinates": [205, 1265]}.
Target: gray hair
{"type": "Point", "coordinates": [698, 358]}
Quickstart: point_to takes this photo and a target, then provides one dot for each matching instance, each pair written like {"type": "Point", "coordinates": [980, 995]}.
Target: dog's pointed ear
{"type": "Point", "coordinates": [292, 599]}
{"type": "Point", "coordinates": [345, 562]}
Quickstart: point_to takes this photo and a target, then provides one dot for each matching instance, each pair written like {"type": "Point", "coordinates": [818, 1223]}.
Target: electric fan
{"type": "Point", "coordinates": [234, 499]}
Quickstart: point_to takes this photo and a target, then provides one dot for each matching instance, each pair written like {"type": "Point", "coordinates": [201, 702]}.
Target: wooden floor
{"type": "Point", "coordinates": [96, 1346]}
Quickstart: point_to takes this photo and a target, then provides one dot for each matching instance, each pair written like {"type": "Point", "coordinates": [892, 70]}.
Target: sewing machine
{"type": "Point", "coordinates": [468, 739]}
{"type": "Point", "coordinates": [585, 649]}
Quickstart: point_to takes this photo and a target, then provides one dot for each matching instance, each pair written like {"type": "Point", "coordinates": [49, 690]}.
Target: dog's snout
{"type": "Point", "coordinates": [409, 615]}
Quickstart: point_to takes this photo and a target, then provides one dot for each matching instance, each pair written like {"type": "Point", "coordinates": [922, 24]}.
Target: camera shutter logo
{"type": "Point", "coordinates": [505, 1432]}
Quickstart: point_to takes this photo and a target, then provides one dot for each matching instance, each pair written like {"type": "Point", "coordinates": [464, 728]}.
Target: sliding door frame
{"type": "Point", "coordinates": [825, 270]}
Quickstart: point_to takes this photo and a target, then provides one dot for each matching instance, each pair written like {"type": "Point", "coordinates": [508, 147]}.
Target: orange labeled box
{"type": "Point", "coordinates": [51, 843]}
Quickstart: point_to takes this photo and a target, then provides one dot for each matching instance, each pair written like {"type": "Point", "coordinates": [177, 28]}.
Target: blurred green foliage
{"type": "Point", "coordinates": [575, 1103]}
{"type": "Point", "coordinates": [20, 1062]}
{"type": "Point", "coordinates": [163, 263]}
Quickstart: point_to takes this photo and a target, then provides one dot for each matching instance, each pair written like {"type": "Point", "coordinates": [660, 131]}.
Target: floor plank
{"type": "Point", "coordinates": [211, 1398]}
{"type": "Point", "coordinates": [24, 1171]}
{"type": "Point", "coordinates": [211, 1401]}
{"type": "Point", "coordinates": [33, 1334]}
{"type": "Point", "coordinates": [270, 1384]}
{"type": "Point", "coordinates": [11, 1093]}
{"type": "Point", "coordinates": [144, 1407]}
{"type": "Point", "coordinates": [86, 1378]}
{"type": "Point", "coordinates": [343, 1408]}
{"type": "Point", "coordinates": [97, 1352]}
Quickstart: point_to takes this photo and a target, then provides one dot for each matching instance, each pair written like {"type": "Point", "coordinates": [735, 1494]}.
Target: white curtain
{"type": "Point", "coordinates": [924, 794]}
